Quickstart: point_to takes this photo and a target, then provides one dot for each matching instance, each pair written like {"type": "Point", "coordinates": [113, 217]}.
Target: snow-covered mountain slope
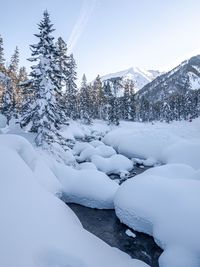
{"type": "Point", "coordinates": [182, 78]}
{"type": "Point", "coordinates": [140, 76]}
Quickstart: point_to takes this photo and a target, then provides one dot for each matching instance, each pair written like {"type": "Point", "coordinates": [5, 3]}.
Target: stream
{"type": "Point", "coordinates": [105, 225]}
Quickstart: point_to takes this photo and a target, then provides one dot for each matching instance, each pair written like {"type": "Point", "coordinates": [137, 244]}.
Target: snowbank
{"type": "Point", "coordinates": [87, 165]}
{"type": "Point", "coordinates": [115, 164]}
{"type": "Point", "coordinates": [144, 144]}
{"type": "Point", "coordinates": [186, 152]}
{"type": "Point", "coordinates": [80, 146]}
{"type": "Point", "coordinates": [36, 228]}
{"type": "Point", "coordinates": [87, 187]}
{"type": "Point", "coordinates": [102, 150]}
{"type": "Point", "coordinates": [96, 143]}
{"type": "Point", "coordinates": [173, 171]}
{"type": "Point", "coordinates": [167, 209]}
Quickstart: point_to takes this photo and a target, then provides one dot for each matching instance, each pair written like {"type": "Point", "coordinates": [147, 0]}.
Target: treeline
{"type": "Point", "coordinates": [11, 75]}
{"type": "Point", "coordinates": [48, 98]}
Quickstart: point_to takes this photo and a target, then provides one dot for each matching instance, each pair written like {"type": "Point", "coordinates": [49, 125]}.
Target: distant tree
{"type": "Point", "coordinates": [114, 103]}
{"type": "Point", "coordinates": [14, 63]}
{"type": "Point", "coordinates": [71, 90]}
{"type": "Point", "coordinates": [7, 98]}
{"type": "Point", "coordinates": [98, 98]}
{"type": "Point", "coordinates": [2, 59]}
{"type": "Point", "coordinates": [84, 102]}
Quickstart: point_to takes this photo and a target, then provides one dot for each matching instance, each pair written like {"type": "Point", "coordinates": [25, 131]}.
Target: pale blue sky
{"type": "Point", "coordinates": [109, 35]}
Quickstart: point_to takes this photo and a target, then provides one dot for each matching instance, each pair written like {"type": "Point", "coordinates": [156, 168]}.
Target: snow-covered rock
{"type": "Point", "coordinates": [96, 143]}
{"type": "Point", "coordinates": [102, 150]}
{"type": "Point", "coordinates": [130, 233]}
{"type": "Point", "coordinates": [80, 146]}
{"type": "Point", "coordinates": [87, 187]}
{"type": "Point", "coordinates": [115, 164]}
{"type": "Point", "coordinates": [167, 209]}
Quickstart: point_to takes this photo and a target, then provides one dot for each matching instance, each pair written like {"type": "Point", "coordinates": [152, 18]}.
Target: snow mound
{"type": "Point", "coordinates": [195, 175]}
{"type": "Point", "coordinates": [173, 171]}
{"type": "Point", "coordinates": [87, 187]}
{"type": "Point", "coordinates": [21, 146]}
{"type": "Point", "coordinates": [96, 143]}
{"type": "Point", "coordinates": [46, 178]}
{"type": "Point", "coordinates": [80, 146]}
{"type": "Point", "coordinates": [38, 229]}
{"type": "Point", "coordinates": [115, 164]}
{"type": "Point", "coordinates": [167, 209]}
{"type": "Point", "coordinates": [102, 150]}
{"type": "Point", "coordinates": [87, 165]}
{"type": "Point", "coordinates": [186, 152]}
{"type": "Point", "coordinates": [140, 144]}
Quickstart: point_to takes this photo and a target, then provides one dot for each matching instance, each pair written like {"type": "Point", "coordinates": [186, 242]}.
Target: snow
{"type": "Point", "coordinates": [163, 201]}
{"type": "Point", "coordinates": [87, 187]}
{"type": "Point", "coordinates": [145, 144]}
{"type": "Point", "coordinates": [130, 233]}
{"type": "Point", "coordinates": [3, 121]}
{"type": "Point", "coordinates": [167, 209]}
{"type": "Point", "coordinates": [38, 229]}
{"type": "Point", "coordinates": [76, 130]}
{"type": "Point", "coordinates": [46, 178]}
{"type": "Point", "coordinates": [87, 165]}
{"type": "Point", "coordinates": [96, 143]}
{"type": "Point", "coordinates": [102, 150]}
{"type": "Point", "coordinates": [80, 146]}
{"type": "Point", "coordinates": [172, 171]}
{"type": "Point", "coordinates": [115, 164]}
{"type": "Point", "coordinates": [140, 76]}
{"type": "Point", "coordinates": [186, 152]}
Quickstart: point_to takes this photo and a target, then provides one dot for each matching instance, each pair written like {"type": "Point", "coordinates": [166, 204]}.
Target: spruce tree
{"type": "Point", "coordinates": [7, 99]}
{"type": "Point", "coordinates": [84, 102]}
{"type": "Point", "coordinates": [19, 96]}
{"type": "Point", "coordinates": [114, 103]}
{"type": "Point", "coordinates": [98, 98]}
{"type": "Point", "coordinates": [71, 90]}
{"type": "Point", "coordinates": [12, 71]}
{"type": "Point", "coordinates": [14, 63]}
{"type": "Point", "coordinates": [126, 101]}
{"type": "Point", "coordinates": [42, 110]}
{"type": "Point", "coordinates": [2, 59]}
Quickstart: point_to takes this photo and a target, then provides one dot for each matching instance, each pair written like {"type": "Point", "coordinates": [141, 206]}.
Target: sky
{"type": "Point", "coordinates": [106, 36]}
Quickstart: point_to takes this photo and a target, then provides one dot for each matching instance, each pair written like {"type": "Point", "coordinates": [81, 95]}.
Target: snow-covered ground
{"type": "Point", "coordinates": [38, 229]}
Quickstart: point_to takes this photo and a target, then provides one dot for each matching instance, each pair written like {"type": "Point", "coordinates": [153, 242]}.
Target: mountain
{"type": "Point", "coordinates": [140, 76]}
{"type": "Point", "coordinates": [182, 78]}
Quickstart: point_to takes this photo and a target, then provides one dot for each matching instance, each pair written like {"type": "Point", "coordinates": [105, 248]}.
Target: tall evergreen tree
{"type": "Point", "coordinates": [7, 99]}
{"type": "Point", "coordinates": [2, 59]}
{"type": "Point", "coordinates": [14, 63]}
{"type": "Point", "coordinates": [84, 102]}
{"type": "Point", "coordinates": [43, 111]}
{"type": "Point", "coordinates": [71, 90]}
{"type": "Point", "coordinates": [114, 103]}
{"type": "Point", "coordinates": [62, 61]}
{"type": "Point", "coordinates": [98, 98]}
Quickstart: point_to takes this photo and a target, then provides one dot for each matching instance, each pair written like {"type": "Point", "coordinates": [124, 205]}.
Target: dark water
{"type": "Point", "coordinates": [105, 225]}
